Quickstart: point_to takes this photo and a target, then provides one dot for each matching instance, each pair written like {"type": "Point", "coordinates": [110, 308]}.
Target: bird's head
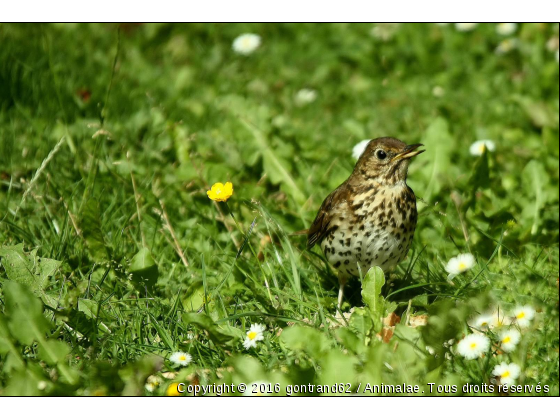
{"type": "Point", "coordinates": [385, 160]}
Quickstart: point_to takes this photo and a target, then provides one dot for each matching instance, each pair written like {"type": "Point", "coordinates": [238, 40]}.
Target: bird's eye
{"type": "Point", "coordinates": [380, 154]}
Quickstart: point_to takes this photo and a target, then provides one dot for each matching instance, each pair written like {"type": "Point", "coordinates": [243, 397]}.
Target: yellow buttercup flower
{"type": "Point", "coordinates": [220, 192]}
{"type": "Point", "coordinates": [175, 389]}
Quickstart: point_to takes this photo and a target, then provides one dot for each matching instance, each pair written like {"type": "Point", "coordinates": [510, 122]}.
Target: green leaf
{"type": "Point", "coordinates": [27, 328]}
{"type": "Point", "coordinates": [17, 265]}
{"type": "Point", "coordinates": [29, 269]}
{"type": "Point", "coordinates": [90, 308]}
{"type": "Point", "coordinates": [144, 269]}
{"type": "Point", "coordinates": [9, 348]}
{"type": "Point", "coordinates": [374, 360]}
{"type": "Point", "coordinates": [360, 321]}
{"type": "Point", "coordinates": [53, 351]}
{"type": "Point", "coordinates": [25, 311]}
{"type": "Point", "coordinates": [350, 340]}
{"type": "Point", "coordinates": [306, 339]}
{"type": "Point", "coordinates": [247, 369]}
{"type": "Point", "coordinates": [371, 292]}
{"type": "Point", "coordinates": [336, 368]}
{"type": "Point", "coordinates": [23, 383]}
{"type": "Point", "coordinates": [216, 333]}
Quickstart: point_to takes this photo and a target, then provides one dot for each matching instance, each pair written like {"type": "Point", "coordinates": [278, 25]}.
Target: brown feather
{"type": "Point", "coordinates": [321, 226]}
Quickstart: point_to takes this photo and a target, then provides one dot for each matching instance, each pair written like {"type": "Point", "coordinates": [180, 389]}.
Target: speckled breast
{"type": "Point", "coordinates": [375, 229]}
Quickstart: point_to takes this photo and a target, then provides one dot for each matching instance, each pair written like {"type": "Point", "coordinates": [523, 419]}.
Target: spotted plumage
{"type": "Point", "coordinates": [370, 219]}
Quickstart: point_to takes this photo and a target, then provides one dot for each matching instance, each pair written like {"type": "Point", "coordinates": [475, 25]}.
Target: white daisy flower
{"type": "Point", "coordinates": [460, 264]}
{"type": "Point", "coordinates": [506, 46]}
{"type": "Point", "coordinates": [483, 321]}
{"type": "Point", "coordinates": [305, 96]}
{"type": "Point", "coordinates": [254, 334]}
{"type": "Point", "coordinates": [473, 346]}
{"type": "Point", "coordinates": [509, 339]}
{"type": "Point", "coordinates": [479, 146]}
{"type": "Point", "coordinates": [465, 27]}
{"type": "Point", "coordinates": [180, 358]}
{"type": "Point", "coordinates": [384, 31]}
{"type": "Point", "coordinates": [523, 315]}
{"type": "Point", "coordinates": [506, 29]}
{"type": "Point", "coordinates": [246, 44]}
{"type": "Point", "coordinates": [255, 386]}
{"type": "Point", "coordinates": [152, 383]}
{"type": "Point", "coordinates": [442, 23]}
{"type": "Point", "coordinates": [359, 149]}
{"type": "Point", "coordinates": [438, 91]}
{"type": "Point", "coordinates": [507, 372]}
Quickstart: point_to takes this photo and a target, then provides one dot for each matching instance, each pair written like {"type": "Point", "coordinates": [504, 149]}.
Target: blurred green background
{"type": "Point", "coordinates": [110, 135]}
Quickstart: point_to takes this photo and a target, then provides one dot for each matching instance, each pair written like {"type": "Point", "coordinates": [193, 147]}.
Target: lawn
{"type": "Point", "coordinates": [119, 276]}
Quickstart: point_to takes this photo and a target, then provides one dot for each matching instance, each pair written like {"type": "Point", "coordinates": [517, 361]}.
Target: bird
{"type": "Point", "coordinates": [370, 219]}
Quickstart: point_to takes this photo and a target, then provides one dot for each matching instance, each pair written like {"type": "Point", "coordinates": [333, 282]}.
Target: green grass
{"type": "Point", "coordinates": [112, 257]}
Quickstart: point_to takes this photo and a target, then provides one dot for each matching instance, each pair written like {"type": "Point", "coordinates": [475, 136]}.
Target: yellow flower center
{"type": "Point", "coordinates": [462, 266]}
{"type": "Point", "coordinates": [521, 315]}
{"type": "Point", "coordinates": [473, 346]}
{"type": "Point", "coordinates": [506, 339]}
{"type": "Point", "coordinates": [251, 335]}
{"type": "Point", "coordinates": [505, 374]}
{"type": "Point", "coordinates": [182, 357]}
{"type": "Point", "coordinates": [482, 148]}
{"type": "Point", "coordinates": [484, 324]}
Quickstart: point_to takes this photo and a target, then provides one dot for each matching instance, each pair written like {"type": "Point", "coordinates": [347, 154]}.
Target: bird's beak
{"type": "Point", "coordinates": [409, 152]}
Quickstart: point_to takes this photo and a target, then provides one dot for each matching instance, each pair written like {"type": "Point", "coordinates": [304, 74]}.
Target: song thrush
{"type": "Point", "coordinates": [369, 220]}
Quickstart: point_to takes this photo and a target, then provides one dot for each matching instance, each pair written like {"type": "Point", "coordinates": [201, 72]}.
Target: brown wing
{"type": "Point", "coordinates": [322, 225]}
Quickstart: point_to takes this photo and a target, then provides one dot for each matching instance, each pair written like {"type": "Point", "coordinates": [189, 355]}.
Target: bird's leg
{"type": "Point", "coordinates": [341, 282]}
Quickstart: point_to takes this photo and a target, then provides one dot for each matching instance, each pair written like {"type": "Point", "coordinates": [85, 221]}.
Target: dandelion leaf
{"type": "Point", "coordinates": [25, 312]}
{"type": "Point", "coordinates": [361, 323]}
{"type": "Point", "coordinates": [29, 270]}
{"type": "Point", "coordinates": [53, 351]}
{"type": "Point", "coordinates": [371, 294]}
